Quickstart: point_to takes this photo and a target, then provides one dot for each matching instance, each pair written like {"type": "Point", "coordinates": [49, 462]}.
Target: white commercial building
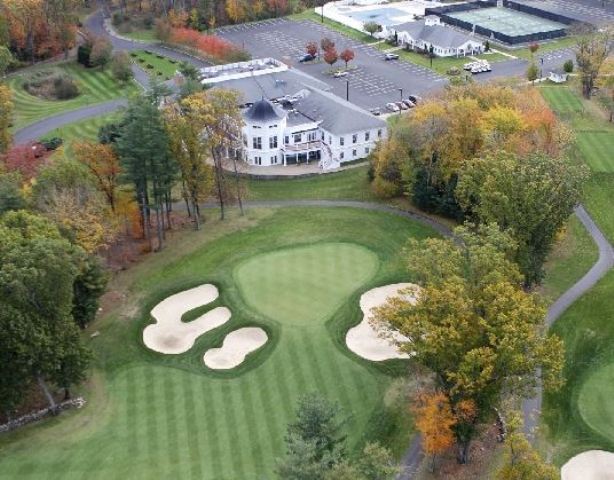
{"type": "Point", "coordinates": [290, 118]}
{"type": "Point", "coordinates": [430, 32]}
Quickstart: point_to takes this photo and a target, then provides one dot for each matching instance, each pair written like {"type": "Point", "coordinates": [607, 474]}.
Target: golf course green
{"type": "Point", "coordinates": [296, 273]}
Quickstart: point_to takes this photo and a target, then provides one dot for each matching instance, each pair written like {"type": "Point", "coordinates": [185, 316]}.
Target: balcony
{"type": "Point", "coordinates": [303, 147]}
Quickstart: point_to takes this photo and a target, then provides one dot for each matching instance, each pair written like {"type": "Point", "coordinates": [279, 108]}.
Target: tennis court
{"type": "Point", "coordinates": [506, 21]}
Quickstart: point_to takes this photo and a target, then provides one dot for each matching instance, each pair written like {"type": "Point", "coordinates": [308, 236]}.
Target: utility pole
{"type": "Point", "coordinates": [401, 92]}
{"type": "Point", "coordinates": [347, 90]}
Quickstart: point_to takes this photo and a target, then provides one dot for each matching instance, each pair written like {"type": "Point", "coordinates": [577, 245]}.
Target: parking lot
{"type": "Point", "coordinates": [372, 81]}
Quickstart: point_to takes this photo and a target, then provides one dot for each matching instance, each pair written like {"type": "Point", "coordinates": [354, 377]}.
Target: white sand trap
{"type": "Point", "coordinates": [377, 344]}
{"type": "Point", "coordinates": [589, 465]}
{"type": "Point", "coordinates": [235, 348]}
{"type": "Point", "coordinates": [172, 336]}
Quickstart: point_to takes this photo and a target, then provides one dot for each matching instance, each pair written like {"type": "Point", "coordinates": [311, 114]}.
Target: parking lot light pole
{"type": "Point", "coordinates": [323, 11]}
{"type": "Point", "coordinates": [347, 90]}
{"type": "Point", "coordinates": [401, 92]}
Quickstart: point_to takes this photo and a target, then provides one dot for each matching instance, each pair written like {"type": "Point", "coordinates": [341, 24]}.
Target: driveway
{"type": "Point", "coordinates": [372, 81]}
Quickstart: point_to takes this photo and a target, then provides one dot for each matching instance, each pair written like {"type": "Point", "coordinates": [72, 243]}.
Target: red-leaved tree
{"type": "Point", "coordinates": [25, 159]}
{"type": "Point", "coordinates": [331, 56]}
{"type": "Point", "coordinates": [312, 48]}
{"type": "Point", "coordinates": [347, 55]}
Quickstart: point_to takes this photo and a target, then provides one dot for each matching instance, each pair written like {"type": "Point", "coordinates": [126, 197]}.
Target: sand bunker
{"type": "Point", "coordinates": [590, 465]}
{"type": "Point", "coordinates": [235, 348]}
{"type": "Point", "coordinates": [172, 336]}
{"type": "Point", "coordinates": [367, 341]}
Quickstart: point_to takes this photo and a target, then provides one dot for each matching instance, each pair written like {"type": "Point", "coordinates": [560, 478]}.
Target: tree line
{"type": "Point", "coordinates": [487, 154]}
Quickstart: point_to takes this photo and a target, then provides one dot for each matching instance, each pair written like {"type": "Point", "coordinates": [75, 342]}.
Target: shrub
{"type": "Point", "coordinates": [141, 60]}
{"type": "Point", "coordinates": [52, 143]}
{"type": "Point", "coordinates": [210, 45]}
{"type": "Point", "coordinates": [161, 57]}
{"type": "Point", "coordinates": [65, 88]}
{"type": "Point", "coordinates": [118, 18]}
{"type": "Point", "coordinates": [149, 66]}
{"type": "Point", "coordinates": [453, 71]}
{"type": "Point", "coordinates": [133, 55]}
{"type": "Point", "coordinates": [101, 52]}
{"type": "Point", "coordinates": [121, 68]}
{"type": "Point", "coordinates": [568, 66]}
{"type": "Point", "coordinates": [83, 54]}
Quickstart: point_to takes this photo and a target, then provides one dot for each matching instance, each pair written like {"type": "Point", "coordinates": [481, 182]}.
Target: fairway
{"type": "Point", "coordinates": [168, 416]}
{"type": "Point", "coordinates": [595, 401]}
{"type": "Point", "coordinates": [95, 86]}
{"type": "Point", "coordinates": [597, 148]}
{"type": "Point", "coordinates": [562, 100]}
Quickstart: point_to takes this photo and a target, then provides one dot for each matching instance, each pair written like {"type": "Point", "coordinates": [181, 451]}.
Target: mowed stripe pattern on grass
{"type": "Point", "coordinates": [562, 100]}
{"type": "Point", "coordinates": [95, 86]}
{"type": "Point", "coordinates": [597, 148]}
{"type": "Point", "coordinates": [169, 423]}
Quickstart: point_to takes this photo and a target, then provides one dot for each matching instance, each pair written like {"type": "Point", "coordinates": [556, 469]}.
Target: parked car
{"type": "Point", "coordinates": [375, 111]}
{"type": "Point", "coordinates": [402, 105]}
{"type": "Point", "coordinates": [415, 99]}
{"type": "Point", "coordinates": [409, 104]}
{"type": "Point", "coordinates": [392, 107]}
{"type": "Point", "coordinates": [391, 56]}
{"type": "Point", "coordinates": [308, 57]}
{"type": "Point", "coordinates": [341, 74]}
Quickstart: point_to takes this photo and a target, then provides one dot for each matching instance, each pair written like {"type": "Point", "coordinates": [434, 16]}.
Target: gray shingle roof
{"type": "Point", "coordinates": [263, 111]}
{"type": "Point", "coordinates": [438, 35]}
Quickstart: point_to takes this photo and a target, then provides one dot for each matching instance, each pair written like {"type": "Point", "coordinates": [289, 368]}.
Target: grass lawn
{"type": "Point", "coordinates": [162, 67]}
{"type": "Point", "coordinates": [310, 14]}
{"type": "Point", "coordinates": [579, 417]}
{"type": "Point", "coordinates": [297, 273]}
{"type": "Point", "coordinates": [87, 130]}
{"type": "Point", "coordinates": [145, 35]}
{"type": "Point", "coordinates": [573, 255]}
{"type": "Point", "coordinates": [351, 184]}
{"type": "Point", "coordinates": [595, 144]}
{"type": "Point", "coordinates": [96, 86]}
{"type": "Point", "coordinates": [544, 47]}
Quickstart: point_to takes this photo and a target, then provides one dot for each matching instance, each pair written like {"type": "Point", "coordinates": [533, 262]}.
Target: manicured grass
{"type": "Point", "coordinates": [595, 144]}
{"type": "Point", "coordinates": [573, 255]}
{"type": "Point", "coordinates": [351, 184]}
{"type": "Point", "coordinates": [95, 85]}
{"type": "Point", "coordinates": [157, 416]}
{"type": "Point", "coordinates": [562, 100]}
{"type": "Point", "coordinates": [163, 68]}
{"type": "Point", "coordinates": [87, 130]}
{"type": "Point", "coordinates": [544, 47]}
{"type": "Point", "coordinates": [597, 148]}
{"type": "Point", "coordinates": [145, 35]}
{"type": "Point", "coordinates": [588, 332]}
{"type": "Point", "coordinates": [309, 14]}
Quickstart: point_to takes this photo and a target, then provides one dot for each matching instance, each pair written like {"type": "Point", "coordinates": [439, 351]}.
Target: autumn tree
{"type": "Point", "coordinates": [592, 49]}
{"type": "Point", "coordinates": [326, 44]}
{"type": "Point", "coordinates": [533, 47]}
{"type": "Point", "coordinates": [24, 158]}
{"type": "Point", "coordinates": [103, 163]}
{"type": "Point", "coordinates": [473, 325]}
{"type": "Point", "coordinates": [101, 53]}
{"type": "Point", "coordinates": [373, 463]}
{"type": "Point", "coordinates": [347, 55]}
{"type": "Point", "coordinates": [6, 117]}
{"type": "Point", "coordinates": [235, 9]}
{"type": "Point", "coordinates": [6, 59]}
{"type": "Point", "coordinates": [11, 195]}
{"type": "Point", "coordinates": [331, 56]}
{"type": "Point", "coordinates": [312, 48]}
{"type": "Point", "coordinates": [521, 460]}
{"type": "Point", "coordinates": [605, 82]}
{"type": "Point", "coordinates": [121, 67]}
{"type": "Point", "coordinates": [217, 115]}
{"type": "Point", "coordinates": [434, 420]}
{"type": "Point", "coordinates": [530, 197]}
{"type": "Point", "coordinates": [191, 151]}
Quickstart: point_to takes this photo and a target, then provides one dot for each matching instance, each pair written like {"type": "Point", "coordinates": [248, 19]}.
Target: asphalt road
{"type": "Point", "coordinates": [39, 129]}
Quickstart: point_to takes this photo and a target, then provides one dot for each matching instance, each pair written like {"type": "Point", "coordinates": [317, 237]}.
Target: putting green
{"type": "Point", "coordinates": [595, 401]}
{"type": "Point", "coordinates": [304, 285]}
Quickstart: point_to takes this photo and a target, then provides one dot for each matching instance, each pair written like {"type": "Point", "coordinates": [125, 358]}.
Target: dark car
{"type": "Point", "coordinates": [308, 57]}
{"type": "Point", "coordinates": [414, 99]}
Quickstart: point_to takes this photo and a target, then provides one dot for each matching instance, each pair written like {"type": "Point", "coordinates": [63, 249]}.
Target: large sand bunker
{"type": "Point", "coordinates": [172, 336]}
{"type": "Point", "coordinates": [237, 345]}
{"type": "Point", "coordinates": [590, 465]}
{"type": "Point", "coordinates": [377, 344]}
